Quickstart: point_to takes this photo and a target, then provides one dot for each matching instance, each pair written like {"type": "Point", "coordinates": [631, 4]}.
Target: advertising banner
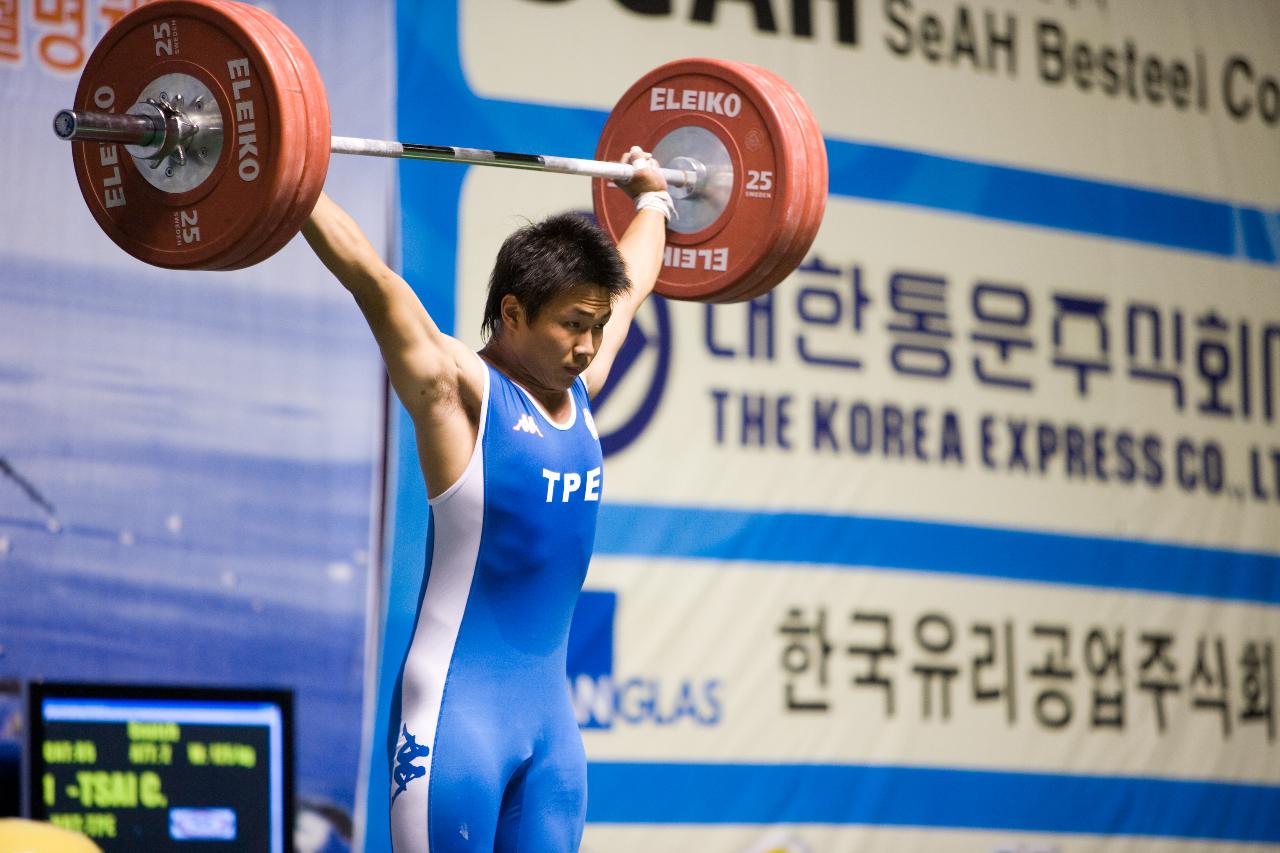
{"type": "Point", "coordinates": [967, 535]}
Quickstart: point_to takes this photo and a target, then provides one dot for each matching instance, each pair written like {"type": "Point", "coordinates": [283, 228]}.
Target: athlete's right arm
{"type": "Point", "coordinates": [437, 378]}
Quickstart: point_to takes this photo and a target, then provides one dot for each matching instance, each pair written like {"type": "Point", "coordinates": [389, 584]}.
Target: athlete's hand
{"type": "Point", "coordinates": [648, 177]}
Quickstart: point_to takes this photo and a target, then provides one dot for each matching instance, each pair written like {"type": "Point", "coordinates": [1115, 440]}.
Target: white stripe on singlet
{"type": "Point", "coordinates": [457, 516]}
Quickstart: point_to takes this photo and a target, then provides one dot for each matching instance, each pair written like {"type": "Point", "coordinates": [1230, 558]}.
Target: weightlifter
{"type": "Point", "coordinates": [485, 750]}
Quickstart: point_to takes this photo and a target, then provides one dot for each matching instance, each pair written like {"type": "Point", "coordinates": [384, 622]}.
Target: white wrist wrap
{"type": "Point", "coordinates": [659, 201]}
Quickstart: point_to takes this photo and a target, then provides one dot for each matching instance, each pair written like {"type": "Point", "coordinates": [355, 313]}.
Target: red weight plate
{"type": "Point", "coordinates": [319, 141]}
{"type": "Point", "coordinates": [790, 194]}
{"type": "Point", "coordinates": [809, 202]}
{"type": "Point", "coordinates": [315, 108]}
{"type": "Point", "coordinates": [816, 170]}
{"type": "Point", "coordinates": [812, 171]}
{"type": "Point", "coordinates": [293, 120]}
{"type": "Point", "coordinates": [716, 96]}
{"type": "Point", "coordinates": [796, 204]}
{"type": "Point", "coordinates": [204, 227]}
{"type": "Point", "coordinates": [317, 148]}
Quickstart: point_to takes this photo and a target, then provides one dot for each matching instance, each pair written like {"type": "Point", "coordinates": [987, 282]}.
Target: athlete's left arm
{"type": "Point", "coordinates": [641, 248]}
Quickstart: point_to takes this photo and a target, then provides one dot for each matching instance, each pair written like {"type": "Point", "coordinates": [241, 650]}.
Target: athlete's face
{"type": "Point", "coordinates": [565, 336]}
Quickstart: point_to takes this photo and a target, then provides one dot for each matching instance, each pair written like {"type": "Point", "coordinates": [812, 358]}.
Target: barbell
{"type": "Point", "coordinates": [224, 125]}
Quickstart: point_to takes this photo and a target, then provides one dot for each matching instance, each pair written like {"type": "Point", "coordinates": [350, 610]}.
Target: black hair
{"type": "Point", "coordinates": [541, 260]}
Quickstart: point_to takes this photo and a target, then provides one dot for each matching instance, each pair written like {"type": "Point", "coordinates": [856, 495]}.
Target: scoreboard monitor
{"type": "Point", "coordinates": [163, 768]}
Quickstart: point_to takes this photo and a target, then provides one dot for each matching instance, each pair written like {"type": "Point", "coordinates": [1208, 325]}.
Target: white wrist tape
{"type": "Point", "coordinates": [659, 201]}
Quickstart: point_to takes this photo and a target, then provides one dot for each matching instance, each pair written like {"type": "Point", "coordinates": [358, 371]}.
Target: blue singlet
{"type": "Point", "coordinates": [487, 754]}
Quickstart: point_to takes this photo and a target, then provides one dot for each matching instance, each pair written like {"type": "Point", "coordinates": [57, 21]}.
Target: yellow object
{"type": "Point", "coordinates": [26, 836]}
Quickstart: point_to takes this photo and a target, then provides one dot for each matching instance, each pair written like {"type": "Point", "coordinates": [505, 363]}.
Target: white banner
{"type": "Point", "coordinates": [977, 514]}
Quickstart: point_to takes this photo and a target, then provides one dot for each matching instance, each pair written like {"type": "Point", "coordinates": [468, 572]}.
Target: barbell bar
{"type": "Point", "coordinates": [141, 130]}
{"type": "Point", "coordinates": [227, 142]}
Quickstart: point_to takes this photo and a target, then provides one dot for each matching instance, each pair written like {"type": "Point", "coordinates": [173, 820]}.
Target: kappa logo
{"type": "Point", "coordinates": [527, 424]}
{"type": "Point", "coordinates": [406, 771]}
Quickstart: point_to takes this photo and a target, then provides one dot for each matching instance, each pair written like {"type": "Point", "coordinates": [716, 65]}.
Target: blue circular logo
{"type": "Point", "coordinates": [633, 392]}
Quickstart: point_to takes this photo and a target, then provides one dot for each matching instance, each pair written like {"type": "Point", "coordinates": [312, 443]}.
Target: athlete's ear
{"type": "Point", "coordinates": [511, 311]}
